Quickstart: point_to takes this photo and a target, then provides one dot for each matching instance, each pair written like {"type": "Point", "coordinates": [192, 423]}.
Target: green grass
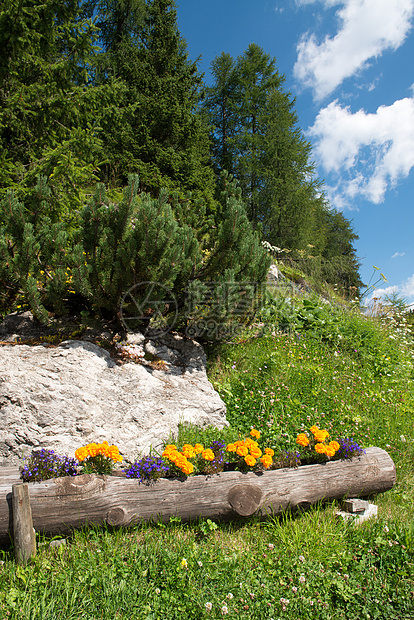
{"type": "Point", "coordinates": [334, 368]}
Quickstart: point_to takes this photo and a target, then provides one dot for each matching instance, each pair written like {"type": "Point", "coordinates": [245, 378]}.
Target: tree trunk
{"type": "Point", "coordinates": [60, 504]}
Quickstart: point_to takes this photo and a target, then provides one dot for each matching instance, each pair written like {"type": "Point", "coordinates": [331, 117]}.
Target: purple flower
{"type": "Point", "coordinates": [147, 469]}
{"type": "Point", "coordinates": [349, 448]}
{"type": "Point", "coordinates": [44, 464]}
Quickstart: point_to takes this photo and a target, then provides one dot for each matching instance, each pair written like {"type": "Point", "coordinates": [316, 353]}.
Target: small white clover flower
{"type": "Point", "coordinates": [229, 596]}
{"type": "Point", "coordinates": [224, 610]}
{"type": "Point", "coordinates": [302, 579]}
{"type": "Point", "coordinates": [209, 606]}
{"type": "Point", "coordinates": [200, 563]}
{"type": "Point", "coordinates": [386, 529]}
{"type": "Point", "coordinates": [157, 591]}
{"type": "Point", "coordinates": [271, 546]}
{"type": "Point", "coordinates": [301, 558]}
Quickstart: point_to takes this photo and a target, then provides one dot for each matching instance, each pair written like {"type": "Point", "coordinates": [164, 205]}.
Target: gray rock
{"type": "Point", "coordinates": [64, 397]}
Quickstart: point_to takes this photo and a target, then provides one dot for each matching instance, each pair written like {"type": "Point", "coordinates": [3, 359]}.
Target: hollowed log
{"type": "Point", "coordinates": [61, 504]}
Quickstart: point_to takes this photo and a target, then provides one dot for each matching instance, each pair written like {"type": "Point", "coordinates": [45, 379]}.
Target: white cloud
{"type": "Point", "coordinates": [407, 288]}
{"type": "Point", "coordinates": [398, 254]}
{"type": "Point", "coordinates": [404, 290]}
{"type": "Point", "coordinates": [367, 152]}
{"type": "Point", "coordinates": [366, 29]}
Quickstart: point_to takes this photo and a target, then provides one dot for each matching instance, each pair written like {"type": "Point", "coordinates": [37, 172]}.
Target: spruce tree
{"type": "Point", "coordinates": [156, 131]}
{"type": "Point", "coordinates": [220, 102]}
{"type": "Point", "coordinates": [49, 118]}
{"type": "Point", "coordinates": [257, 137]}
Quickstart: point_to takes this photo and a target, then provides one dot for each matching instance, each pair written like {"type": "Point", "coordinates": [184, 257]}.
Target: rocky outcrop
{"type": "Point", "coordinates": [62, 397]}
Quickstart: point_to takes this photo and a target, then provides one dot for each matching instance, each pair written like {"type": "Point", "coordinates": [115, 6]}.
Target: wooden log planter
{"type": "Point", "coordinates": [59, 505]}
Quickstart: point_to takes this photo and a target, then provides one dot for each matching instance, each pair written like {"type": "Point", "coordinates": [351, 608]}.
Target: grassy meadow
{"type": "Point", "coordinates": [305, 362]}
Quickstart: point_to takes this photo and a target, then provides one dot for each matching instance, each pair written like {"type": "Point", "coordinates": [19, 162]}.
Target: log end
{"type": "Point", "coordinates": [245, 499]}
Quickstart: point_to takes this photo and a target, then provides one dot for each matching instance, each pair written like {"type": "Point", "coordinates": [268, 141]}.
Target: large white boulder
{"type": "Point", "coordinates": [63, 397]}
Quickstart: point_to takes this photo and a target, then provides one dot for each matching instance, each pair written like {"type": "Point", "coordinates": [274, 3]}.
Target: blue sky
{"type": "Point", "coordinates": [349, 64]}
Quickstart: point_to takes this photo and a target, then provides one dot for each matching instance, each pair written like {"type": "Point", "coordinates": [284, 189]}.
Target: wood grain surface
{"type": "Point", "coordinates": [61, 504]}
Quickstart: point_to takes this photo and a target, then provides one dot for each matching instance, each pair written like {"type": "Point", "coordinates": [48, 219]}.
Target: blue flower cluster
{"type": "Point", "coordinates": [147, 469]}
{"type": "Point", "coordinates": [290, 459]}
{"type": "Point", "coordinates": [218, 463]}
{"type": "Point", "coordinates": [348, 448]}
{"type": "Point", "coordinates": [44, 464]}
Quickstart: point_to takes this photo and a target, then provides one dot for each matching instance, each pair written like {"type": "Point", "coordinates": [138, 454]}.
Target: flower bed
{"type": "Point", "coordinates": [239, 455]}
{"type": "Point", "coordinates": [221, 481]}
{"type": "Point", "coordinates": [60, 504]}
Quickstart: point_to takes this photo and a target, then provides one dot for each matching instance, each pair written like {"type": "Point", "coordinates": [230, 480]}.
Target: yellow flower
{"type": "Point", "coordinates": [250, 460]}
{"type": "Point", "coordinates": [302, 440]}
{"type": "Point", "coordinates": [208, 455]}
{"type": "Point", "coordinates": [335, 445]}
{"type": "Point", "coordinates": [314, 429]}
{"type": "Point", "coordinates": [231, 447]}
{"type": "Point", "coordinates": [320, 448]}
{"type": "Point", "coordinates": [198, 448]}
{"type": "Point", "coordinates": [266, 461]}
{"type": "Point", "coordinates": [269, 452]}
{"type": "Point", "coordinates": [255, 433]}
{"type": "Point", "coordinates": [329, 450]}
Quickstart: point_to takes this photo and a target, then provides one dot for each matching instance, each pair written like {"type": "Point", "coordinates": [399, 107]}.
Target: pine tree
{"type": "Point", "coordinates": [49, 118]}
{"type": "Point", "coordinates": [291, 196]}
{"type": "Point", "coordinates": [33, 254]}
{"type": "Point", "coordinates": [256, 135]}
{"type": "Point", "coordinates": [156, 131]}
{"type": "Point", "coordinates": [220, 102]}
{"type": "Point", "coordinates": [125, 244]}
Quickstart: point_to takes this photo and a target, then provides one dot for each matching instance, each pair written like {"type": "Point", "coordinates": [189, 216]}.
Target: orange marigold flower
{"type": "Point", "coordinates": [329, 450]}
{"type": "Point", "coordinates": [231, 447]}
{"type": "Point", "coordinates": [335, 445]}
{"type": "Point", "coordinates": [208, 455]}
{"type": "Point", "coordinates": [269, 452]}
{"type": "Point", "coordinates": [266, 461]}
{"type": "Point", "coordinates": [187, 468]}
{"type": "Point", "coordinates": [188, 451]}
{"type": "Point", "coordinates": [113, 453]}
{"type": "Point", "coordinates": [93, 449]}
{"type": "Point", "coordinates": [242, 451]}
{"type": "Point", "coordinates": [321, 436]}
{"type": "Point", "coordinates": [302, 440]}
{"type": "Point", "coordinates": [173, 456]}
{"type": "Point", "coordinates": [255, 433]}
{"type": "Point", "coordinates": [320, 448]}
{"type": "Point", "coordinates": [256, 452]}
{"type": "Point", "coordinates": [314, 429]}
{"type": "Point", "coordinates": [198, 448]}
{"type": "Point", "coordinates": [250, 460]}
{"type": "Point", "coordinates": [81, 454]}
